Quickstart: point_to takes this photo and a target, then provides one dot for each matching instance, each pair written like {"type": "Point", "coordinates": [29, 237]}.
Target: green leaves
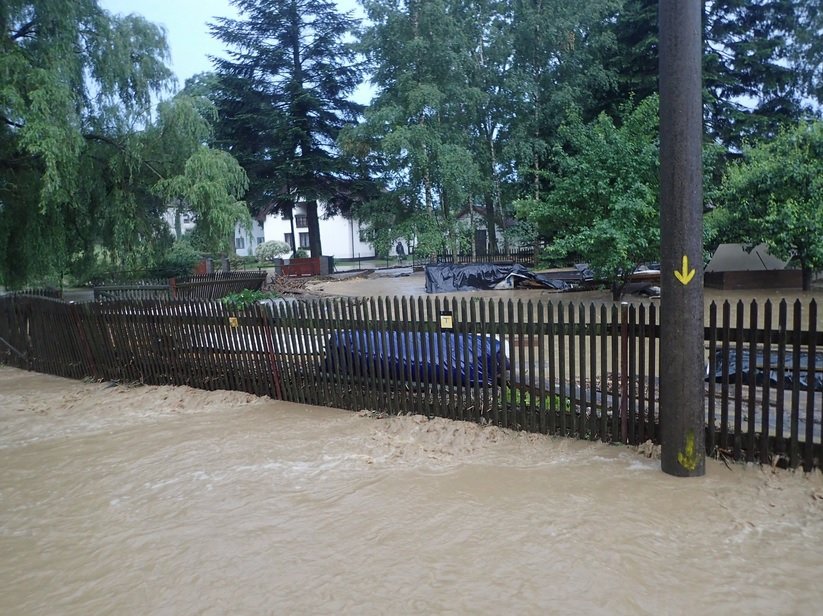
{"type": "Point", "coordinates": [775, 195]}
{"type": "Point", "coordinates": [602, 207]}
{"type": "Point", "coordinates": [81, 158]}
{"type": "Point", "coordinates": [283, 100]}
{"type": "Point", "coordinates": [211, 186]}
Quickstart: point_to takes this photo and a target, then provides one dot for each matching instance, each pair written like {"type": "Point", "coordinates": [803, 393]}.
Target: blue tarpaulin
{"type": "Point", "coordinates": [417, 356]}
{"type": "Point", "coordinates": [789, 373]}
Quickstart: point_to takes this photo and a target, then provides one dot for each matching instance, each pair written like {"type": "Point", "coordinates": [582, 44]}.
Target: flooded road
{"type": "Point", "coordinates": [159, 500]}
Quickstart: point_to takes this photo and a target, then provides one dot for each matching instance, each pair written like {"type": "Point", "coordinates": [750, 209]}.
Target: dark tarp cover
{"type": "Point", "coordinates": [445, 277]}
{"type": "Point", "coordinates": [409, 356]}
{"type": "Point", "coordinates": [802, 373]}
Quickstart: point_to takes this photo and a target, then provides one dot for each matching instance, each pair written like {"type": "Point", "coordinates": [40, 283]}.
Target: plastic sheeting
{"type": "Point", "coordinates": [416, 356]}
{"type": "Point", "coordinates": [789, 374]}
{"type": "Point", "coordinates": [446, 277]}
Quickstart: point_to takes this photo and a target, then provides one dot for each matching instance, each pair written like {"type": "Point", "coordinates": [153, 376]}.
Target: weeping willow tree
{"type": "Point", "coordinates": [86, 166]}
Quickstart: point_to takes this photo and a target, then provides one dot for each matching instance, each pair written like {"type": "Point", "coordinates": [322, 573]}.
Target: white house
{"type": "Point", "coordinates": [187, 222]}
{"type": "Point", "coordinates": [339, 236]}
{"type": "Point", "coordinates": [246, 241]}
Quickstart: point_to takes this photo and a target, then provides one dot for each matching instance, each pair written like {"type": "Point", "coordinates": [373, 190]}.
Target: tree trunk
{"type": "Point", "coordinates": [618, 286]}
{"type": "Point", "coordinates": [313, 223]}
{"type": "Point", "coordinates": [427, 187]}
{"type": "Point", "coordinates": [807, 276]}
{"type": "Point", "coordinates": [491, 227]}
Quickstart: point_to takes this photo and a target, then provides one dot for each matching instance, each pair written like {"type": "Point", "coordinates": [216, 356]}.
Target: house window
{"type": "Point", "coordinates": [239, 242]}
{"type": "Point", "coordinates": [259, 240]}
{"type": "Point", "coordinates": [304, 240]}
{"type": "Point", "coordinates": [301, 221]}
{"type": "Point", "coordinates": [289, 239]}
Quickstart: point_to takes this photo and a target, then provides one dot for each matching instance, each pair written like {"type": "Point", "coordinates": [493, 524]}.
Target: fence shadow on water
{"type": "Point", "coordinates": [581, 371]}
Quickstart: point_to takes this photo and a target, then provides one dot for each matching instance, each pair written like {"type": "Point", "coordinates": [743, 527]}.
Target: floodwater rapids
{"type": "Point", "coordinates": [161, 500]}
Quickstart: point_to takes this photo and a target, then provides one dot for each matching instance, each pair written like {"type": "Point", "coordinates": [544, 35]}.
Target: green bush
{"type": "Point", "coordinates": [271, 250]}
{"type": "Point", "coordinates": [246, 298]}
{"type": "Point", "coordinates": [179, 261]}
{"type": "Point", "coordinates": [514, 395]}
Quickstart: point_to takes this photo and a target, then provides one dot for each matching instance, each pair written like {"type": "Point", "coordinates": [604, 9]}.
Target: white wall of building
{"type": "Point", "coordinates": [187, 222]}
{"type": "Point", "coordinates": [246, 241]}
{"type": "Point", "coordinates": [339, 236]}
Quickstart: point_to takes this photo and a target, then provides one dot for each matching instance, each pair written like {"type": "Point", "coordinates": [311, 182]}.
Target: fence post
{"type": "Point", "coordinates": [624, 372]}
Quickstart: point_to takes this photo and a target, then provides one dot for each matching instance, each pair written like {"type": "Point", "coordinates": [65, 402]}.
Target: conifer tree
{"type": "Point", "coordinates": [283, 97]}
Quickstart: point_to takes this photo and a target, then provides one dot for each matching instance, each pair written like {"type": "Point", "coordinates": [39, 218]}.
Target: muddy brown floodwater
{"type": "Point", "coordinates": [160, 500]}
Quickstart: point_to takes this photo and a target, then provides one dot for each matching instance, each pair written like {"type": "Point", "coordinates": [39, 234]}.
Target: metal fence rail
{"type": "Point", "coordinates": [583, 371]}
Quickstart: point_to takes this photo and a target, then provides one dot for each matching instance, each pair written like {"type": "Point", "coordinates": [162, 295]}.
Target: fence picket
{"type": "Point", "coordinates": [653, 406]}
{"type": "Point", "coordinates": [711, 433]}
{"type": "Point", "coordinates": [752, 384]}
{"type": "Point", "coordinates": [604, 376]}
{"type": "Point", "coordinates": [767, 369]}
{"type": "Point", "coordinates": [724, 383]}
{"type": "Point", "coordinates": [580, 334]}
{"type": "Point", "coordinates": [811, 378]}
{"type": "Point", "coordinates": [641, 374]}
{"type": "Point", "coordinates": [782, 318]}
{"type": "Point", "coordinates": [794, 445]}
{"type": "Point", "coordinates": [532, 424]}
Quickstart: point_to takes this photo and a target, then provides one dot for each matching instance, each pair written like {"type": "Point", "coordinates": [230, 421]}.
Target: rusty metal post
{"type": "Point", "coordinates": [682, 418]}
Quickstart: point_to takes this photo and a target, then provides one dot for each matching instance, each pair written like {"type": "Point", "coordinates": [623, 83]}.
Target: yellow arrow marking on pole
{"type": "Point", "coordinates": [688, 458]}
{"type": "Point", "coordinates": [685, 275]}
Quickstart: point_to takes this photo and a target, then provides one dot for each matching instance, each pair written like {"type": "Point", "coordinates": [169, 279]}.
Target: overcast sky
{"type": "Point", "coordinates": [186, 25]}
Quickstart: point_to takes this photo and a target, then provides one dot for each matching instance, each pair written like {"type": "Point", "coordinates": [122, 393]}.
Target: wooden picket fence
{"type": "Point", "coordinates": [195, 287]}
{"type": "Point", "coordinates": [524, 256]}
{"type": "Point", "coordinates": [583, 371]}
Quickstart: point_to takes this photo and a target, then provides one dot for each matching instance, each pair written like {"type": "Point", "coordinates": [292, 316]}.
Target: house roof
{"type": "Point", "coordinates": [736, 258]}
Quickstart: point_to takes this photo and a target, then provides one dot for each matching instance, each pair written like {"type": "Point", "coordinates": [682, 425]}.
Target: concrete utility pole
{"type": "Point", "coordinates": [682, 418]}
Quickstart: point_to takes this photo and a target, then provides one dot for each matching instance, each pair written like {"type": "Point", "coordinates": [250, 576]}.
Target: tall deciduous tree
{"type": "Point", "coordinates": [470, 94]}
{"type": "Point", "coordinates": [72, 79]}
{"type": "Point", "coordinates": [775, 195]}
{"type": "Point", "coordinates": [85, 168]}
{"type": "Point", "coordinates": [603, 204]}
{"type": "Point", "coordinates": [417, 147]}
{"type": "Point", "coordinates": [282, 97]}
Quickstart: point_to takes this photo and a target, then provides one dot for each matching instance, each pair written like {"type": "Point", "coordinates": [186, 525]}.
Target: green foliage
{"type": "Point", "coordinates": [775, 195]}
{"type": "Point", "coordinates": [271, 250]}
{"type": "Point", "coordinates": [180, 260]}
{"type": "Point", "coordinates": [247, 298]}
{"type": "Point", "coordinates": [86, 169]}
{"type": "Point", "coordinates": [515, 395]}
{"type": "Point", "coordinates": [211, 186]}
{"type": "Point", "coordinates": [300, 254]}
{"type": "Point", "coordinates": [238, 262]}
{"type": "Point", "coordinates": [73, 81]}
{"type": "Point", "coordinates": [762, 63]}
{"type": "Point", "coordinates": [282, 96]}
{"type": "Point", "coordinates": [603, 203]}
